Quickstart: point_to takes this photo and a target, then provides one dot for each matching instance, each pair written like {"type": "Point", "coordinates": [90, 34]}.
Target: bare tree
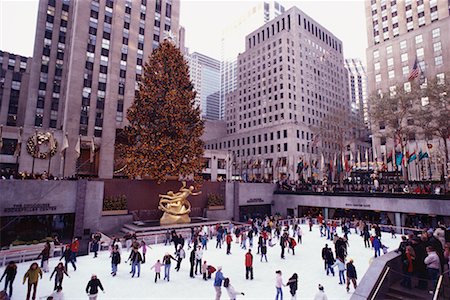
{"type": "Point", "coordinates": [433, 113]}
{"type": "Point", "coordinates": [395, 109]}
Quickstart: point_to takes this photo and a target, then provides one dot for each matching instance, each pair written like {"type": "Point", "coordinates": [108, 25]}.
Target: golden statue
{"type": "Point", "coordinates": [175, 206]}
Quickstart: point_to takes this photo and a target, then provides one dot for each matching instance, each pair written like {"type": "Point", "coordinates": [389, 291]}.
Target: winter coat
{"type": "Point", "coordinates": [293, 285]}
{"type": "Point", "coordinates": [115, 258]}
{"type": "Point", "coordinates": [199, 254]}
{"type": "Point", "coordinates": [324, 252]}
{"type": "Point", "coordinates": [376, 244]}
{"type": "Point", "coordinates": [192, 257]}
{"type": "Point", "coordinates": [229, 239]}
{"type": "Point", "coordinates": [263, 249]}
{"type": "Point", "coordinates": [432, 261]}
{"type": "Point", "coordinates": [167, 259]}
{"type": "Point", "coordinates": [248, 259]}
{"type": "Point", "coordinates": [232, 293]}
{"type": "Point", "coordinates": [329, 257]}
{"type": "Point", "coordinates": [219, 278]}
{"type": "Point", "coordinates": [181, 254]}
{"type": "Point", "coordinates": [32, 275]}
{"type": "Point", "coordinates": [279, 281]}
{"type": "Point", "coordinates": [67, 255]}
{"type": "Point", "coordinates": [45, 253]}
{"type": "Point", "coordinates": [93, 285]}
{"type": "Point", "coordinates": [75, 246]}
{"type": "Point", "coordinates": [157, 267]}
{"type": "Point", "coordinates": [340, 264]}
{"type": "Point", "coordinates": [351, 271]}
{"type": "Point", "coordinates": [439, 234]}
{"type": "Point", "coordinates": [204, 268]}
{"type": "Point", "coordinates": [135, 257]}
{"type": "Point", "coordinates": [10, 272]}
{"type": "Point", "coordinates": [59, 272]}
{"type": "Point", "coordinates": [320, 296]}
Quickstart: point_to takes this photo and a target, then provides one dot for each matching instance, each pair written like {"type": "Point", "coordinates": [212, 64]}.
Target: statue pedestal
{"type": "Point", "coordinates": [168, 219]}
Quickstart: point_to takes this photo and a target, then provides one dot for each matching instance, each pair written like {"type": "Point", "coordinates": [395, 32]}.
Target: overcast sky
{"type": "Point", "coordinates": [204, 21]}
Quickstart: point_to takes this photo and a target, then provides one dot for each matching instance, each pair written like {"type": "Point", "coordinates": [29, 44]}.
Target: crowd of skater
{"type": "Point", "coordinates": [262, 234]}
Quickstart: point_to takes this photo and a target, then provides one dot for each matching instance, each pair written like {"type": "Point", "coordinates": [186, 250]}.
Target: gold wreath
{"type": "Point", "coordinates": [42, 138]}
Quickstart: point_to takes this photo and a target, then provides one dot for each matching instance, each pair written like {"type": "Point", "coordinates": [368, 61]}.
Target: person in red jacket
{"type": "Point", "coordinates": [249, 265]}
{"type": "Point", "coordinates": [74, 248]}
{"type": "Point", "coordinates": [229, 239]}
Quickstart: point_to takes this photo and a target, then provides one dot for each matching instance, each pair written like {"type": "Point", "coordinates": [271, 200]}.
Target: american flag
{"type": "Point", "coordinates": [415, 71]}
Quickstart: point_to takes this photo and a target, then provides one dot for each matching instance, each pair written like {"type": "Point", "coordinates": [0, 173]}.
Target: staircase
{"type": "Point", "coordinates": [398, 292]}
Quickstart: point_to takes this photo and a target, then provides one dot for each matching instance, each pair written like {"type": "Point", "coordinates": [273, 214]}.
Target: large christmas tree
{"type": "Point", "coordinates": [164, 123]}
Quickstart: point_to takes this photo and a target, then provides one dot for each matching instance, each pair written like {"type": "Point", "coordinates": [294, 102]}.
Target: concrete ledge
{"type": "Point", "coordinates": [370, 279]}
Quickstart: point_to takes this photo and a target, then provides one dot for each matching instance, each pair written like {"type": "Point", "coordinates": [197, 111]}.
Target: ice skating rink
{"type": "Point", "coordinates": [307, 263]}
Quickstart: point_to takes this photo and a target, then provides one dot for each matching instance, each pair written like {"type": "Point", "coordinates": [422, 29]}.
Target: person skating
{"type": "Point", "coordinates": [351, 275]}
{"type": "Point", "coordinates": [68, 258]}
{"type": "Point", "coordinates": [57, 293]}
{"type": "Point", "coordinates": [135, 258]}
{"type": "Point", "coordinates": [218, 282]}
{"type": "Point", "coordinates": [292, 243]}
{"type": "Point", "coordinates": [144, 250]}
{"type": "Point", "coordinates": [167, 259]}
{"type": "Point", "coordinates": [249, 265]}
{"type": "Point", "coordinates": [219, 238]}
{"type": "Point", "coordinates": [32, 275]}
{"type": "Point", "coordinates": [299, 235]}
{"type": "Point", "coordinates": [45, 255]}
{"type": "Point", "coordinates": [198, 259]}
{"type": "Point", "coordinates": [376, 245]}
{"type": "Point", "coordinates": [229, 239]}
{"type": "Point", "coordinates": [74, 247]}
{"type": "Point", "coordinates": [340, 263]}
{"type": "Point", "coordinates": [92, 287]}
{"type": "Point", "coordinates": [329, 259]}
{"type": "Point", "coordinates": [192, 262]}
{"type": "Point", "coordinates": [324, 252]}
{"type": "Point", "coordinates": [180, 256]}
{"type": "Point", "coordinates": [279, 285]}
{"type": "Point", "coordinates": [96, 243]}
{"type": "Point", "coordinates": [157, 267]}
{"type": "Point", "coordinates": [232, 293]}
{"type": "Point", "coordinates": [59, 272]}
{"type": "Point", "coordinates": [205, 270]}
{"type": "Point", "coordinates": [320, 295]}
{"type": "Point", "coordinates": [10, 274]}
{"type": "Point", "coordinates": [115, 260]}
{"type": "Point", "coordinates": [210, 270]}
{"type": "Point", "coordinates": [293, 286]}
{"type": "Point", "coordinates": [283, 241]}
{"type": "Point", "coordinates": [260, 242]}
{"type": "Point", "coordinates": [263, 252]}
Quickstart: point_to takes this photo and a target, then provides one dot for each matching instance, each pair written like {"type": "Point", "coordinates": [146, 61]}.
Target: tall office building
{"type": "Point", "coordinates": [290, 78]}
{"type": "Point", "coordinates": [232, 43]}
{"type": "Point", "coordinates": [399, 33]}
{"type": "Point", "coordinates": [357, 85]}
{"type": "Point", "coordinates": [88, 60]}
{"type": "Point", "coordinates": [205, 76]}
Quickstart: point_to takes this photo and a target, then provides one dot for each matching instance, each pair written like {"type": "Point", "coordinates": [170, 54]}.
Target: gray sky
{"type": "Point", "coordinates": [204, 21]}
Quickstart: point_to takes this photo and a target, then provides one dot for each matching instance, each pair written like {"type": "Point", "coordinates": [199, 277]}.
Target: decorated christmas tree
{"type": "Point", "coordinates": [163, 135]}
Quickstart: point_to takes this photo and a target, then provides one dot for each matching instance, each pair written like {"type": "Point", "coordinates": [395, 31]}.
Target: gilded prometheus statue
{"type": "Point", "coordinates": [175, 206]}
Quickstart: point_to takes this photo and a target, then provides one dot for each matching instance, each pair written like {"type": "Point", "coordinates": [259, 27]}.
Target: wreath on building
{"type": "Point", "coordinates": [36, 143]}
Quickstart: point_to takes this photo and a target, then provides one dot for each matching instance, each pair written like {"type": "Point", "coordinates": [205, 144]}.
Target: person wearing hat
{"type": "Point", "coordinates": [320, 295]}
{"type": "Point", "coordinates": [218, 282]}
{"type": "Point", "coordinates": [92, 287]}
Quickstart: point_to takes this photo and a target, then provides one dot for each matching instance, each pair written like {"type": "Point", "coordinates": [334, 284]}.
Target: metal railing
{"type": "Point", "coordinates": [380, 282]}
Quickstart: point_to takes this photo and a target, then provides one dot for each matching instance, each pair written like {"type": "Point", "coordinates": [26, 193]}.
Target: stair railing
{"type": "Point", "coordinates": [380, 282]}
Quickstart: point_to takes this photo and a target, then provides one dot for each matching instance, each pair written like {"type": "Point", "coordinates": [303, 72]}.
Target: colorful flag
{"type": "Point", "coordinates": [398, 158]}
{"type": "Point", "coordinates": [423, 155]}
{"type": "Point", "coordinates": [389, 157]}
{"type": "Point", "coordinates": [300, 166]}
{"type": "Point", "coordinates": [412, 157]}
{"type": "Point", "coordinates": [415, 72]}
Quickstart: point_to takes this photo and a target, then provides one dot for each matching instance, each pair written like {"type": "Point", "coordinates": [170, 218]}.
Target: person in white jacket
{"type": "Point", "coordinates": [433, 266]}
{"type": "Point", "coordinates": [232, 293]}
{"type": "Point", "coordinates": [341, 267]}
{"type": "Point", "coordinates": [320, 295]}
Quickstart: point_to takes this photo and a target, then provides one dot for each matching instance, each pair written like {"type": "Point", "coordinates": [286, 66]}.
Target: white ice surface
{"type": "Point", "coordinates": [307, 263]}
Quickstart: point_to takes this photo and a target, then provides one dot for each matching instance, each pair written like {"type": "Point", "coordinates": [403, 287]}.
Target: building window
{"type": "Point", "coordinates": [404, 57]}
{"type": "Point", "coordinates": [376, 54]}
{"type": "Point", "coordinates": [390, 62]}
{"type": "Point", "coordinates": [438, 60]}
{"type": "Point", "coordinates": [377, 66]}
{"type": "Point", "coordinates": [405, 70]}
{"type": "Point", "coordinates": [419, 39]}
{"type": "Point", "coordinates": [391, 74]}
{"type": "Point", "coordinates": [436, 33]}
{"type": "Point", "coordinates": [378, 78]}
{"type": "Point", "coordinates": [437, 46]}
{"type": "Point", "coordinates": [389, 50]}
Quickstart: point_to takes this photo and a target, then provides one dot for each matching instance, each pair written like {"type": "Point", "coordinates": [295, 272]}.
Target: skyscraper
{"type": "Point", "coordinates": [205, 76]}
{"type": "Point", "coordinates": [402, 34]}
{"type": "Point", "coordinates": [88, 60]}
{"type": "Point", "coordinates": [290, 79]}
{"type": "Point", "coordinates": [232, 43]}
{"type": "Point", "coordinates": [357, 84]}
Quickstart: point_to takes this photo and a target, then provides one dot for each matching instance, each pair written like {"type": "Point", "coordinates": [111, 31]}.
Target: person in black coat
{"type": "Point", "coordinates": [68, 258]}
{"type": "Point", "coordinates": [293, 285]}
{"type": "Point", "coordinates": [283, 241]}
{"type": "Point", "coordinates": [324, 252]}
{"type": "Point", "coordinates": [92, 287]}
{"type": "Point", "coordinates": [351, 275]}
{"type": "Point", "coordinates": [329, 258]}
{"type": "Point", "coordinates": [10, 273]}
{"type": "Point", "coordinates": [135, 258]}
{"type": "Point", "coordinates": [115, 260]}
{"type": "Point", "coordinates": [59, 271]}
{"type": "Point", "coordinates": [192, 261]}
